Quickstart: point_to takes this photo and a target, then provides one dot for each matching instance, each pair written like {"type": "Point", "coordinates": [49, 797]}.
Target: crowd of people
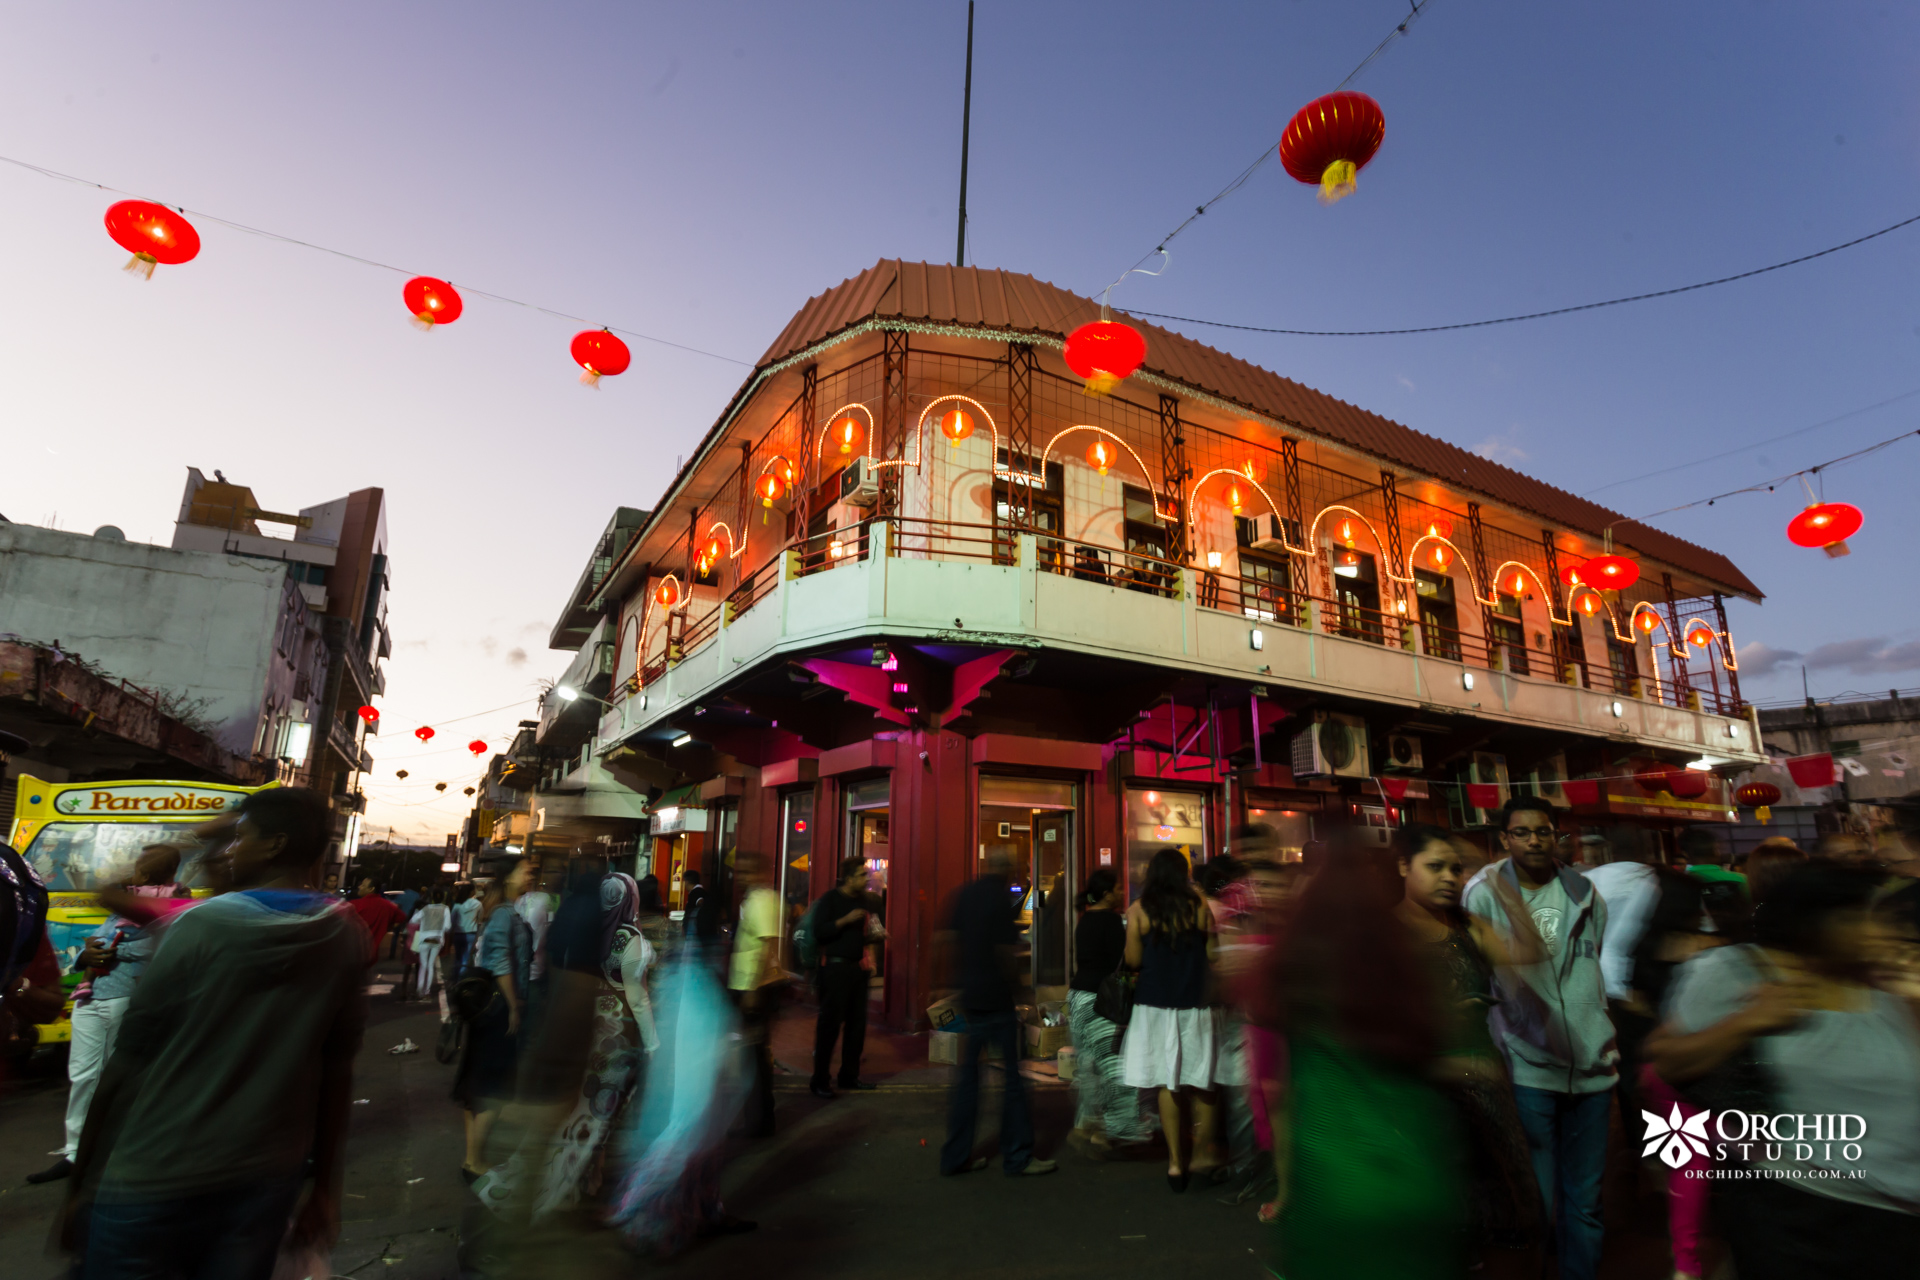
{"type": "Point", "coordinates": [1415, 1060]}
{"type": "Point", "coordinates": [1428, 1046]}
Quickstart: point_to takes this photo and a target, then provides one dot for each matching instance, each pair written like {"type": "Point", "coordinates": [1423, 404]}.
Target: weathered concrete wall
{"type": "Point", "coordinates": [200, 626]}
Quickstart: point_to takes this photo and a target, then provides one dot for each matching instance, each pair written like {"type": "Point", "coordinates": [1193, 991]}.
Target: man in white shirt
{"type": "Point", "coordinates": [536, 908]}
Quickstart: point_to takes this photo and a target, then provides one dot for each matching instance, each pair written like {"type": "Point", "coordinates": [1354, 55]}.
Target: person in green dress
{"type": "Point", "coordinates": [1367, 1147]}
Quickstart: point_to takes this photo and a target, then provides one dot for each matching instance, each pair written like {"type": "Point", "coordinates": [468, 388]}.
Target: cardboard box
{"type": "Point", "coordinates": [946, 1015]}
{"type": "Point", "coordinates": [944, 1046]}
{"type": "Point", "coordinates": [1045, 1042]}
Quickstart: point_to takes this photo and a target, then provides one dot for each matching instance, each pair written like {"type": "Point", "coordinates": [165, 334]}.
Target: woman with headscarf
{"type": "Point", "coordinates": [692, 1091]}
{"type": "Point", "coordinates": [586, 945]}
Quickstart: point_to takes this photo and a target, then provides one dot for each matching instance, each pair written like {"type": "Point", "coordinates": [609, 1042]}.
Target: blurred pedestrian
{"type": "Point", "coordinates": [1461, 951]}
{"type": "Point", "coordinates": [753, 980]}
{"type": "Point", "coordinates": [1245, 967]}
{"type": "Point", "coordinates": [979, 949]}
{"type": "Point", "coordinates": [1770, 862]}
{"type": "Point", "coordinates": [230, 1082]}
{"type": "Point", "coordinates": [1551, 1022]}
{"type": "Point", "coordinates": [1793, 1026]}
{"type": "Point", "coordinates": [376, 913]}
{"type": "Point", "coordinates": [489, 1061]}
{"type": "Point", "coordinates": [1107, 1113]}
{"type": "Point", "coordinates": [431, 922]}
{"type": "Point", "coordinates": [1630, 888]}
{"type": "Point", "coordinates": [462, 931]}
{"type": "Point", "coordinates": [841, 923]}
{"type": "Point", "coordinates": [1367, 1148]}
{"type": "Point", "coordinates": [114, 957]}
{"type": "Point", "coordinates": [535, 906]}
{"type": "Point", "coordinates": [1173, 1035]}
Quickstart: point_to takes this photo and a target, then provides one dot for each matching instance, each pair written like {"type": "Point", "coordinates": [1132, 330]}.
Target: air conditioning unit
{"type": "Point", "coordinates": [860, 483]}
{"type": "Point", "coordinates": [1268, 535]}
{"type": "Point", "coordinates": [1333, 746]}
{"type": "Point", "coordinates": [1485, 767]}
{"type": "Point", "coordinates": [1403, 753]}
{"type": "Point", "coordinates": [1547, 777]}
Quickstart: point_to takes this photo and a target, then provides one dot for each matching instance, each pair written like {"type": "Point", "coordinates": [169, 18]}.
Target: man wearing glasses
{"type": "Point", "coordinates": [1551, 1023]}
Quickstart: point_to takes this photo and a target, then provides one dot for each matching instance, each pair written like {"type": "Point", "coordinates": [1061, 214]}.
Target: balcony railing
{"type": "Point", "coordinates": [1261, 599]}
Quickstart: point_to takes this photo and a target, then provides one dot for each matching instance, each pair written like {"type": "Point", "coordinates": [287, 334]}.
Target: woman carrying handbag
{"type": "Point", "coordinates": [1107, 1113]}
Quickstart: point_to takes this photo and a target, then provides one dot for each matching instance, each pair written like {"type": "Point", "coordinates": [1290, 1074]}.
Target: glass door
{"type": "Point", "coordinates": [796, 860]}
{"type": "Point", "coordinates": [1032, 821]}
{"type": "Point", "coordinates": [1158, 819]}
{"type": "Point", "coordinates": [868, 837]}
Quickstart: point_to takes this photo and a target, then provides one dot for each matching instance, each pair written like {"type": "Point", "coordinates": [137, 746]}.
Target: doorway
{"type": "Point", "coordinates": [1031, 820]}
{"type": "Point", "coordinates": [869, 838]}
{"type": "Point", "coordinates": [796, 861]}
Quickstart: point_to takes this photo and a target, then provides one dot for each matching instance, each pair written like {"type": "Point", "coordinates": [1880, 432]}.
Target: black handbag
{"type": "Point", "coordinates": [1114, 1000]}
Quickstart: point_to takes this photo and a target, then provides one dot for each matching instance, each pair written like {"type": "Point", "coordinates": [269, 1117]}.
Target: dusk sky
{"type": "Point", "coordinates": [696, 172]}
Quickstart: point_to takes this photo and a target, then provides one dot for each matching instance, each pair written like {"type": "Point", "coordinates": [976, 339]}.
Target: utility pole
{"type": "Point", "coordinates": [966, 128]}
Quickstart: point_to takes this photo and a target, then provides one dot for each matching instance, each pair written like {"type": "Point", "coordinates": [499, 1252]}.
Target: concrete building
{"type": "Point", "coordinates": [336, 559]}
{"type": "Point", "coordinates": [915, 597]}
{"type": "Point", "coordinates": [220, 643]}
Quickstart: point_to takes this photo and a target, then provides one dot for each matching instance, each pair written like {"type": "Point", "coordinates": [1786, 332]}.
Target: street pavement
{"type": "Point", "coordinates": [847, 1189]}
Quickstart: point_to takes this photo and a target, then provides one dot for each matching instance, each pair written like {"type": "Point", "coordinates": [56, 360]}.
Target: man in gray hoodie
{"type": "Point", "coordinates": [1550, 1020]}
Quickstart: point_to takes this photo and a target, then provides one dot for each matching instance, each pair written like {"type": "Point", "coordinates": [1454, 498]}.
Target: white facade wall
{"type": "Point", "coordinates": [202, 626]}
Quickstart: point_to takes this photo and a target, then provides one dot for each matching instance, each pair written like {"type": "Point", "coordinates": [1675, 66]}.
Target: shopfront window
{"type": "Point", "coordinates": [1292, 829]}
{"type": "Point", "coordinates": [796, 860]}
{"type": "Point", "coordinates": [1158, 819]}
{"type": "Point", "coordinates": [1032, 821]}
{"type": "Point", "coordinates": [868, 839]}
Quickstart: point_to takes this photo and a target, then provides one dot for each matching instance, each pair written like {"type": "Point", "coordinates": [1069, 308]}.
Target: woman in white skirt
{"type": "Point", "coordinates": [1171, 1041]}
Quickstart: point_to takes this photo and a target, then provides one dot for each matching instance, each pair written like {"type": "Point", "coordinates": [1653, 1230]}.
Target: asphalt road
{"type": "Point", "coordinates": [845, 1189]}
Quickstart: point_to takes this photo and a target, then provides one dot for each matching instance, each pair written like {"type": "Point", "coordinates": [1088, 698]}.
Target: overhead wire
{"type": "Point", "coordinates": [465, 289]}
{"type": "Point", "coordinates": [1538, 315]}
{"type": "Point", "coordinates": [1769, 485]}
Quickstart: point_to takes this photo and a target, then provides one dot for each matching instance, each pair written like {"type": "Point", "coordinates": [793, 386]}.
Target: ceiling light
{"type": "Point", "coordinates": [683, 740]}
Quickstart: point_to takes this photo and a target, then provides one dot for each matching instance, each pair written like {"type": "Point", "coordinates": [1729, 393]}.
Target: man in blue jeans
{"type": "Point", "coordinates": [980, 947]}
{"type": "Point", "coordinates": [1551, 1023]}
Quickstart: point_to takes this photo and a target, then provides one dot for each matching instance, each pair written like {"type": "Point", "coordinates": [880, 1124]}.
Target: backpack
{"type": "Point", "coordinates": [23, 915]}
{"type": "Point", "coordinates": [806, 937]}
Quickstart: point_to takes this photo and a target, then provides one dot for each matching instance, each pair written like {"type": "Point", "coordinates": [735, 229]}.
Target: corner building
{"type": "Point", "coordinates": [1087, 628]}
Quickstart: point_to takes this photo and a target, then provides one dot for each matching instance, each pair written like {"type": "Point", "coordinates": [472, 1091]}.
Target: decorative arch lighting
{"type": "Point", "coordinates": [1330, 140]}
{"type": "Point", "coordinates": [1104, 354]}
{"type": "Point", "coordinates": [431, 302]}
{"type": "Point", "coordinates": [154, 234]}
{"type": "Point", "coordinates": [1826, 525]}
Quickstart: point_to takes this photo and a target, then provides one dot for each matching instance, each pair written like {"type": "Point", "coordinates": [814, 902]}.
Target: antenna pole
{"type": "Point", "coordinates": [966, 128]}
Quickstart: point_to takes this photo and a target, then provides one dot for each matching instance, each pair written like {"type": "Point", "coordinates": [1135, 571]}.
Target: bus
{"type": "Point", "coordinates": [78, 836]}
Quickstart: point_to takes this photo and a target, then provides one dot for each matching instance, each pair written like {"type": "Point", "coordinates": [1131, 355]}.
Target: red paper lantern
{"type": "Point", "coordinates": [1610, 572]}
{"type": "Point", "coordinates": [1589, 603]}
{"type": "Point", "coordinates": [1235, 498]}
{"type": "Point", "coordinates": [956, 425]}
{"type": "Point", "coordinates": [431, 302]}
{"type": "Point", "coordinates": [1517, 584]}
{"type": "Point", "coordinates": [153, 234]}
{"type": "Point", "coordinates": [1104, 354]}
{"type": "Point", "coordinates": [667, 594]}
{"type": "Point", "coordinates": [478, 746]}
{"type": "Point", "coordinates": [423, 733]}
{"type": "Point", "coordinates": [1570, 576]}
{"type": "Point", "coordinates": [1757, 795]}
{"type": "Point", "coordinates": [1330, 140]}
{"type": "Point", "coordinates": [1651, 781]}
{"type": "Point", "coordinates": [771, 488]}
{"type": "Point", "coordinates": [1101, 455]}
{"type": "Point", "coordinates": [369, 714]}
{"type": "Point", "coordinates": [1826, 525]}
{"type": "Point", "coordinates": [1646, 620]}
{"type": "Point", "coordinates": [1581, 791]}
{"type": "Point", "coordinates": [848, 433]}
{"type": "Point", "coordinates": [1699, 634]}
{"type": "Point", "coordinates": [599, 355]}
{"type": "Point", "coordinates": [1687, 784]}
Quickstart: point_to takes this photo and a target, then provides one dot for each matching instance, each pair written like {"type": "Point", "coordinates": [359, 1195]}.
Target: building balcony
{"type": "Point", "coordinates": [980, 586]}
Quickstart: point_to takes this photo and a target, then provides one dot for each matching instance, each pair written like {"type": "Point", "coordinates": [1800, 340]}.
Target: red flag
{"type": "Point", "coordinates": [1581, 791]}
{"type": "Point", "coordinates": [1394, 789]}
{"type": "Point", "coordinates": [1811, 771]}
{"type": "Point", "coordinates": [1483, 795]}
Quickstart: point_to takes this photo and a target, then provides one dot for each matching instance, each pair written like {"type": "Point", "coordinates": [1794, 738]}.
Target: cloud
{"type": "Point", "coordinates": [1757, 659]}
{"type": "Point", "coordinates": [488, 645]}
{"type": "Point", "coordinates": [1865, 656]}
{"type": "Point", "coordinates": [516, 656]}
{"type": "Point", "coordinates": [1405, 381]}
{"type": "Point", "coordinates": [1499, 448]}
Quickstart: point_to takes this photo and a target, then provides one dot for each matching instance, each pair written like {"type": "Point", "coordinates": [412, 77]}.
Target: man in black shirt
{"type": "Point", "coordinates": [981, 946]}
{"type": "Point", "coordinates": [841, 927]}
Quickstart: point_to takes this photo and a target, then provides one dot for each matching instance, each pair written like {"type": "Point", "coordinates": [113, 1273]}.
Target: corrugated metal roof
{"type": "Point", "coordinates": [976, 297]}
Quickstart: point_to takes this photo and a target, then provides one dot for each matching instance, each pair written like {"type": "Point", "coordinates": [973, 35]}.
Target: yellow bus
{"type": "Point", "coordinates": [78, 836]}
